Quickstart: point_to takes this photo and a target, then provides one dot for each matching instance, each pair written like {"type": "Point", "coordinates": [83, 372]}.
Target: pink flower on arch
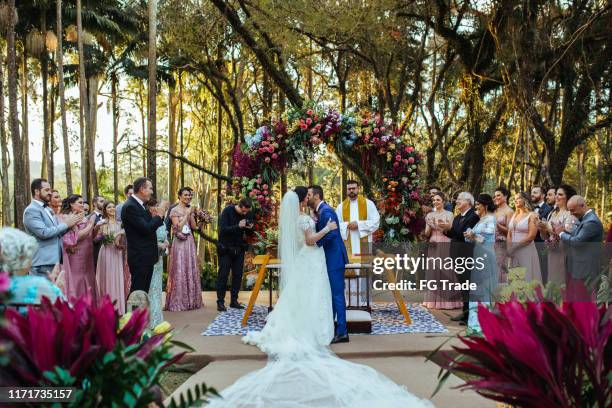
{"type": "Point", "coordinates": [267, 160]}
{"type": "Point", "coordinates": [275, 156]}
{"type": "Point", "coordinates": [411, 160]}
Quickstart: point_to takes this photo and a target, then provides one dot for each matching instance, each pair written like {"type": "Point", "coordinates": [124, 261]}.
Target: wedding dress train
{"type": "Point", "coordinates": [302, 372]}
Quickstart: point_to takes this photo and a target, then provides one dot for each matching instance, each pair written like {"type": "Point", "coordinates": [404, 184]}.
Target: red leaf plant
{"type": "Point", "coordinates": [70, 336]}
{"type": "Point", "coordinates": [539, 354]}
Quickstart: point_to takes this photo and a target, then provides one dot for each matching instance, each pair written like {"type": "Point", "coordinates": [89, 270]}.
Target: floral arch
{"type": "Point", "coordinates": [363, 142]}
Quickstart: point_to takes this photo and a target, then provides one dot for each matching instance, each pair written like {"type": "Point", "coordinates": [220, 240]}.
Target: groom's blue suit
{"type": "Point", "coordinates": [336, 259]}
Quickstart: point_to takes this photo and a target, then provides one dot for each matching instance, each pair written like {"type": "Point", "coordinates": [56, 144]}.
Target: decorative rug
{"type": "Point", "coordinates": [386, 319]}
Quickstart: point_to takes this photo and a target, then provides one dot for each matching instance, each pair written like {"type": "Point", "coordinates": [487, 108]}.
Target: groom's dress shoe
{"type": "Point", "coordinates": [236, 305]}
{"type": "Point", "coordinates": [221, 307]}
{"type": "Point", "coordinates": [340, 339]}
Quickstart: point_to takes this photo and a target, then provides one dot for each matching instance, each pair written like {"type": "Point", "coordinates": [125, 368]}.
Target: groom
{"type": "Point", "coordinates": [335, 258]}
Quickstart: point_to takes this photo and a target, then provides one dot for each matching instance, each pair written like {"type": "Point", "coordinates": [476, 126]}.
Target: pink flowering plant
{"type": "Point", "coordinates": [110, 361]}
{"type": "Point", "coordinates": [539, 354]}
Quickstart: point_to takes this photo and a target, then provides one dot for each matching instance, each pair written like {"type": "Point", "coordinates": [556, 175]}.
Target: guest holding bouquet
{"type": "Point", "coordinates": [184, 290]}
{"type": "Point", "coordinates": [522, 230]}
{"type": "Point", "coordinates": [77, 251]}
{"type": "Point", "coordinates": [550, 229]}
{"type": "Point", "coordinates": [109, 271]}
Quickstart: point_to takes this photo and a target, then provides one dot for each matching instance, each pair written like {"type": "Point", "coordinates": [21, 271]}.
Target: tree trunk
{"type": "Point", "coordinates": [115, 109]}
{"type": "Point", "coordinates": [6, 196]}
{"type": "Point", "coordinates": [46, 171]}
{"type": "Point", "coordinates": [172, 141]}
{"type": "Point", "coordinates": [181, 126]}
{"type": "Point", "coordinates": [25, 139]}
{"type": "Point", "coordinates": [83, 108]}
{"type": "Point", "coordinates": [219, 151]}
{"type": "Point", "coordinates": [20, 186]}
{"type": "Point", "coordinates": [152, 117]}
{"type": "Point", "coordinates": [60, 84]}
{"type": "Point", "coordinates": [91, 126]}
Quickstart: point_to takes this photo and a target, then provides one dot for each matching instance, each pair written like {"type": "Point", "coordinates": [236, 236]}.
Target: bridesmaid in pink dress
{"type": "Point", "coordinates": [557, 220]}
{"type": "Point", "coordinates": [184, 290]}
{"type": "Point", "coordinates": [77, 252]}
{"type": "Point", "coordinates": [109, 271]}
{"type": "Point", "coordinates": [522, 230]}
{"type": "Point", "coordinates": [503, 214]}
{"type": "Point", "coordinates": [439, 247]}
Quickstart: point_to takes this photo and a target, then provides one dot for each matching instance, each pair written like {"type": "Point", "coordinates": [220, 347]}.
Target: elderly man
{"type": "Point", "coordinates": [466, 219]}
{"type": "Point", "coordinates": [584, 242]}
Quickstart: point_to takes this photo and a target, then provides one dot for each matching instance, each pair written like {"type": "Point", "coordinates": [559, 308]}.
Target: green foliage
{"type": "Point", "coordinates": [195, 397]}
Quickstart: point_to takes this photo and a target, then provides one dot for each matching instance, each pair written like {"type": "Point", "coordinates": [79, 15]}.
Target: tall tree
{"type": "Point", "coordinates": [20, 189]}
{"type": "Point", "coordinates": [83, 103]}
{"type": "Point", "coordinates": [62, 97]}
{"type": "Point", "coordinates": [6, 197]}
{"type": "Point", "coordinates": [152, 117]}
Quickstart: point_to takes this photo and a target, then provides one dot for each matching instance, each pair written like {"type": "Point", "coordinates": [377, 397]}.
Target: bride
{"type": "Point", "coordinates": [302, 371]}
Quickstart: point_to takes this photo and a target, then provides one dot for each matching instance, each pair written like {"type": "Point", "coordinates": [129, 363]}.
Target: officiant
{"type": "Point", "coordinates": [359, 219]}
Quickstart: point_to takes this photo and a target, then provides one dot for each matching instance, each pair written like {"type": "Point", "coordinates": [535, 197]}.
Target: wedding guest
{"type": "Point", "coordinates": [503, 214]}
{"type": "Point", "coordinates": [86, 208]}
{"type": "Point", "coordinates": [522, 230]}
{"type": "Point", "coordinates": [128, 191]}
{"type": "Point", "coordinates": [359, 219]}
{"type": "Point", "coordinates": [467, 218]}
{"type": "Point", "coordinates": [16, 251]}
{"type": "Point", "coordinates": [551, 196]}
{"type": "Point", "coordinates": [98, 205]}
{"type": "Point", "coordinates": [584, 243]}
{"type": "Point", "coordinates": [109, 269]}
{"type": "Point", "coordinates": [156, 315]}
{"type": "Point", "coordinates": [483, 235]}
{"type": "Point", "coordinates": [447, 204]}
{"type": "Point", "coordinates": [56, 202]}
{"type": "Point", "coordinates": [39, 222]}
{"type": "Point", "coordinates": [78, 251]}
{"type": "Point", "coordinates": [440, 248]}
{"type": "Point", "coordinates": [183, 289]}
{"type": "Point", "coordinates": [550, 229]}
{"type": "Point", "coordinates": [235, 222]}
{"type": "Point", "coordinates": [141, 232]}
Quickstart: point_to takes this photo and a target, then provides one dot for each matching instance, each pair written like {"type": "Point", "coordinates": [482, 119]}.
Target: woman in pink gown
{"type": "Point", "coordinates": [439, 247]}
{"type": "Point", "coordinates": [557, 220]}
{"type": "Point", "coordinates": [184, 290]}
{"type": "Point", "coordinates": [522, 230]}
{"type": "Point", "coordinates": [503, 214]}
{"type": "Point", "coordinates": [77, 252]}
{"type": "Point", "coordinates": [109, 271]}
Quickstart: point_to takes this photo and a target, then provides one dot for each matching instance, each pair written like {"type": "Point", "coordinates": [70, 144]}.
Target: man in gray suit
{"type": "Point", "coordinates": [40, 222]}
{"type": "Point", "coordinates": [584, 242]}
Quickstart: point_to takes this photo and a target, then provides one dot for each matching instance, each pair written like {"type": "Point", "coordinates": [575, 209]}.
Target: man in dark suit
{"type": "Point", "coordinates": [538, 198]}
{"type": "Point", "coordinates": [585, 243]}
{"type": "Point", "coordinates": [459, 247]}
{"type": "Point", "coordinates": [140, 230]}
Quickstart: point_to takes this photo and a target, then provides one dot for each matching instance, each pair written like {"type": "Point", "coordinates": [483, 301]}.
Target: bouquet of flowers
{"type": "Point", "coordinates": [202, 217]}
{"type": "Point", "coordinates": [108, 238]}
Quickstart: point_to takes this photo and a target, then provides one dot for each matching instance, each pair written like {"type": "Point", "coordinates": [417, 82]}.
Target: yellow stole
{"type": "Point", "coordinates": [346, 217]}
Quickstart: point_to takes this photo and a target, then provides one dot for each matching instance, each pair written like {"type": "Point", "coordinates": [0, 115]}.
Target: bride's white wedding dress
{"type": "Point", "coordinates": [302, 371]}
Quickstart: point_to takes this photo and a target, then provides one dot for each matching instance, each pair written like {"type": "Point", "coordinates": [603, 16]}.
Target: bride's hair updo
{"type": "Point", "coordinates": [301, 192]}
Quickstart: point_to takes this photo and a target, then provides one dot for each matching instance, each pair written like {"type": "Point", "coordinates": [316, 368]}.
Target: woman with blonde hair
{"type": "Point", "coordinates": [522, 230]}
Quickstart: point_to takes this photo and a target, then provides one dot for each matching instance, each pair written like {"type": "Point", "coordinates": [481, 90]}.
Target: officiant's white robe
{"type": "Point", "coordinates": [366, 228]}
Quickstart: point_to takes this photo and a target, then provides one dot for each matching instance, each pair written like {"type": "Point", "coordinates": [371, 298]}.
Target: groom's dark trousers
{"type": "Point", "coordinates": [336, 259]}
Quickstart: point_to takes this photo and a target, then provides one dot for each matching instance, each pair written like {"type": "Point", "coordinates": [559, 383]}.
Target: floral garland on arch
{"type": "Point", "coordinates": [363, 139]}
